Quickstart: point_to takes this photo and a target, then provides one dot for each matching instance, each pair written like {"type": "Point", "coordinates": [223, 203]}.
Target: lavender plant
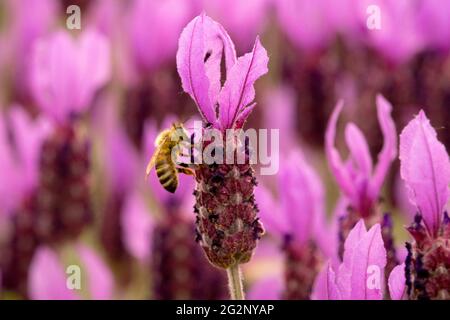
{"type": "Point", "coordinates": [65, 75]}
{"type": "Point", "coordinates": [425, 168]}
{"type": "Point", "coordinates": [227, 224]}
{"type": "Point", "coordinates": [297, 220]}
{"type": "Point", "coordinates": [358, 180]}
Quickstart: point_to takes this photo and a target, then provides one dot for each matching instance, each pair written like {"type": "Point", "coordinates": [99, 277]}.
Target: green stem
{"type": "Point", "coordinates": [235, 283]}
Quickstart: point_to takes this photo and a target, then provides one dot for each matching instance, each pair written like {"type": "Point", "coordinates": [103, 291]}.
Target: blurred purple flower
{"type": "Point", "coordinates": [122, 166]}
{"type": "Point", "coordinates": [299, 211]}
{"type": "Point", "coordinates": [106, 16]}
{"type": "Point", "coordinates": [360, 183]}
{"type": "Point", "coordinates": [66, 72]}
{"type": "Point", "coordinates": [434, 23]}
{"type": "Point", "coordinates": [155, 44]}
{"type": "Point", "coordinates": [305, 22]}
{"type": "Point", "coordinates": [163, 240]}
{"type": "Point", "coordinates": [397, 44]}
{"type": "Point", "coordinates": [21, 140]}
{"type": "Point", "coordinates": [28, 21]}
{"type": "Point", "coordinates": [137, 226]}
{"type": "Point", "coordinates": [361, 274]}
{"type": "Point", "coordinates": [282, 99]}
{"type": "Point", "coordinates": [48, 278]}
{"type": "Point", "coordinates": [201, 46]}
{"type": "Point", "coordinates": [345, 18]}
{"type": "Point", "coordinates": [298, 221]}
{"type": "Point", "coordinates": [425, 168]}
{"type": "Point", "coordinates": [244, 20]}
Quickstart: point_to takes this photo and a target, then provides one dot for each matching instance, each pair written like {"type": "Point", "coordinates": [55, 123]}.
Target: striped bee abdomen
{"type": "Point", "coordinates": [166, 171]}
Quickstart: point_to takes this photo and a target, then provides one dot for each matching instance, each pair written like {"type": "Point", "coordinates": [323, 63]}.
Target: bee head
{"type": "Point", "coordinates": [180, 131]}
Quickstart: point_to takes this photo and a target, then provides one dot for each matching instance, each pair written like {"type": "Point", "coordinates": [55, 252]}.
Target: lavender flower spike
{"type": "Point", "coordinates": [226, 211]}
{"type": "Point", "coordinates": [425, 167]}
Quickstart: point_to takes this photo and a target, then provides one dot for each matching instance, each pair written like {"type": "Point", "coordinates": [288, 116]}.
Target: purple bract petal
{"type": "Point", "coordinates": [301, 197]}
{"type": "Point", "coordinates": [425, 167]}
{"type": "Point", "coordinates": [389, 151]}
{"type": "Point", "coordinates": [274, 221]}
{"type": "Point", "coordinates": [337, 166]}
{"type": "Point", "coordinates": [367, 272]}
{"type": "Point", "coordinates": [137, 226]}
{"type": "Point", "coordinates": [359, 150]}
{"type": "Point", "coordinates": [191, 66]}
{"type": "Point", "coordinates": [396, 282]}
{"type": "Point", "coordinates": [238, 91]}
{"type": "Point", "coordinates": [325, 287]}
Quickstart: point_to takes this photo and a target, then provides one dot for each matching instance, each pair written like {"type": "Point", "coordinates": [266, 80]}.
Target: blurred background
{"type": "Point", "coordinates": [80, 109]}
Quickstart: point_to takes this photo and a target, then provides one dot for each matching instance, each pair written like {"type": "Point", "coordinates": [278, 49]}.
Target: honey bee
{"type": "Point", "coordinates": [166, 168]}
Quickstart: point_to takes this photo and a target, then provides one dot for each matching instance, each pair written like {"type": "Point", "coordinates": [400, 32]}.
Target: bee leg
{"type": "Point", "coordinates": [185, 171]}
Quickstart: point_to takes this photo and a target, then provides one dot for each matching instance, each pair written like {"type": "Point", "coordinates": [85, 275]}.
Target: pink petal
{"type": "Point", "coordinates": [19, 156]}
{"type": "Point", "coordinates": [301, 196]}
{"type": "Point", "coordinates": [434, 22]}
{"type": "Point", "coordinates": [389, 151]}
{"type": "Point", "coordinates": [53, 73]}
{"type": "Point", "coordinates": [401, 253]}
{"type": "Point", "coordinates": [122, 160]}
{"type": "Point", "coordinates": [238, 91]}
{"type": "Point", "coordinates": [282, 99]}
{"type": "Point", "coordinates": [406, 208]}
{"type": "Point", "coordinates": [47, 277]}
{"type": "Point", "coordinates": [66, 72]}
{"type": "Point", "coordinates": [369, 260]}
{"type": "Point", "coordinates": [273, 220]}
{"type": "Point", "coordinates": [325, 236]}
{"type": "Point", "coordinates": [137, 227]}
{"type": "Point", "coordinates": [325, 287]}
{"type": "Point", "coordinates": [94, 65]}
{"type": "Point", "coordinates": [398, 44]}
{"type": "Point", "coordinates": [219, 45]}
{"type": "Point", "coordinates": [152, 47]}
{"type": "Point", "coordinates": [243, 115]}
{"type": "Point", "coordinates": [396, 282]}
{"type": "Point", "coordinates": [29, 135]}
{"type": "Point", "coordinates": [191, 67]}
{"type": "Point", "coordinates": [425, 167]}
{"type": "Point", "coordinates": [243, 19]}
{"type": "Point", "coordinates": [359, 150]}
{"type": "Point", "coordinates": [352, 241]}
{"type": "Point", "coordinates": [337, 167]}
{"type": "Point", "coordinates": [99, 277]}
{"type": "Point", "coordinates": [11, 193]}
{"type": "Point", "coordinates": [303, 22]}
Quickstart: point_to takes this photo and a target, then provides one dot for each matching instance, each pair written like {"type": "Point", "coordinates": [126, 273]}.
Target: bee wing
{"type": "Point", "coordinates": [151, 163]}
{"type": "Point", "coordinates": [160, 140]}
